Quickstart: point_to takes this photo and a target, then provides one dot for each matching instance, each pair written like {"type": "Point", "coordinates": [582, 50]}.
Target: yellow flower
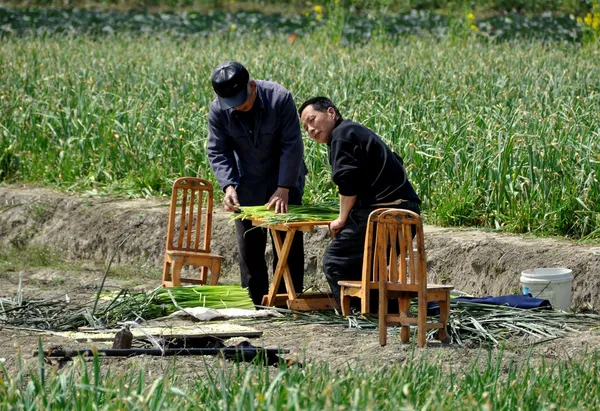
{"type": "Point", "coordinates": [318, 9]}
{"type": "Point", "coordinates": [596, 22]}
{"type": "Point", "coordinates": [474, 28]}
{"type": "Point", "coordinates": [588, 19]}
{"type": "Point", "coordinates": [579, 20]}
{"type": "Point", "coordinates": [470, 17]}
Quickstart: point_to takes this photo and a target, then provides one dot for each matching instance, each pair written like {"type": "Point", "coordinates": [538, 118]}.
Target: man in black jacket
{"type": "Point", "coordinates": [369, 175]}
{"type": "Point", "coordinates": [256, 152]}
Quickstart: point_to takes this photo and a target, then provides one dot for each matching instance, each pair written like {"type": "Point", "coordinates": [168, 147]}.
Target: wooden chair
{"type": "Point", "coordinates": [395, 265]}
{"type": "Point", "coordinates": [189, 232]}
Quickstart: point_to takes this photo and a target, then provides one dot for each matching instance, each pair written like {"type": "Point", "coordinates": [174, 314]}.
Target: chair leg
{"type": "Point", "coordinates": [404, 307]}
{"type": "Point", "coordinates": [215, 272]}
{"type": "Point", "coordinates": [345, 302]}
{"type": "Point", "coordinates": [383, 311]}
{"type": "Point", "coordinates": [166, 277]}
{"type": "Point", "coordinates": [203, 275]}
{"type": "Point", "coordinates": [444, 313]}
{"type": "Point", "coordinates": [422, 322]}
{"type": "Point", "coordinates": [176, 273]}
{"type": "Point", "coordinates": [365, 302]}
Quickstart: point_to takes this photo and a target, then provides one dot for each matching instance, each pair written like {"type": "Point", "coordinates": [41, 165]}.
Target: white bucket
{"type": "Point", "coordinates": [552, 284]}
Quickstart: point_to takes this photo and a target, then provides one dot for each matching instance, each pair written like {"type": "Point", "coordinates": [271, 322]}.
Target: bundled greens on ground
{"type": "Point", "coordinates": [165, 301]}
{"type": "Point", "coordinates": [62, 315]}
{"type": "Point", "coordinates": [296, 213]}
{"type": "Point", "coordinates": [210, 296]}
{"type": "Point", "coordinates": [472, 323]}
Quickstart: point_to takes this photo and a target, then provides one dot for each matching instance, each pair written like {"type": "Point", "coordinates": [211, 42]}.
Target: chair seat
{"type": "Point", "coordinates": [351, 284]}
{"type": "Point", "coordinates": [439, 287]}
{"type": "Point", "coordinates": [180, 253]}
{"type": "Point", "coordinates": [430, 287]}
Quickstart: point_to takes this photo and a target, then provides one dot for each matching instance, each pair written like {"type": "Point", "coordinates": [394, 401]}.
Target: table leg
{"type": "Point", "coordinates": [282, 269]}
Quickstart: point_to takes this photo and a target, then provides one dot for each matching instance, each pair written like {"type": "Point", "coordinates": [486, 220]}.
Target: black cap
{"type": "Point", "coordinates": [230, 81]}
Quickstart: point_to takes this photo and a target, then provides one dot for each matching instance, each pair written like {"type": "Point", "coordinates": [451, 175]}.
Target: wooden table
{"type": "Point", "coordinates": [299, 302]}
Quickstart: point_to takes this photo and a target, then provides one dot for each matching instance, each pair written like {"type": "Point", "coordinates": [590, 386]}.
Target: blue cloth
{"type": "Point", "coordinates": [258, 154]}
{"type": "Point", "coordinates": [524, 301]}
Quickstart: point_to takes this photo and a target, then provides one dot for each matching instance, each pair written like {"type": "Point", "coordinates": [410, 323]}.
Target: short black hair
{"type": "Point", "coordinates": [320, 104]}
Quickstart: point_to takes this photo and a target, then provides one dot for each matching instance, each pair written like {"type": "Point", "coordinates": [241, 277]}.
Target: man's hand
{"type": "Point", "coordinates": [279, 200]}
{"type": "Point", "coordinates": [230, 201]}
{"type": "Point", "coordinates": [335, 226]}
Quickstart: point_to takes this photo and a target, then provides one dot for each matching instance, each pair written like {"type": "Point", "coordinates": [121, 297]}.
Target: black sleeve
{"type": "Point", "coordinates": [399, 158]}
{"type": "Point", "coordinates": [220, 152]}
{"type": "Point", "coordinates": [346, 173]}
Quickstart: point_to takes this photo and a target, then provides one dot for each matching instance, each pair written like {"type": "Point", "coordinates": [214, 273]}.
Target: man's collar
{"type": "Point", "coordinates": [337, 123]}
{"type": "Point", "coordinates": [259, 96]}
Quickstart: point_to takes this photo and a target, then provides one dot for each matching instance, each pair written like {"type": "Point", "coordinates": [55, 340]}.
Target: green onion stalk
{"type": "Point", "coordinates": [209, 296]}
{"type": "Point", "coordinates": [296, 213]}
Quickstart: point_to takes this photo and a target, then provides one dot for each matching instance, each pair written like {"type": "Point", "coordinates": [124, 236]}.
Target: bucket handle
{"type": "Point", "coordinates": [538, 294]}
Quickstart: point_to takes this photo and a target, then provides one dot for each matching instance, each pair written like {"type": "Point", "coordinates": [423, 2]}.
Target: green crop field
{"type": "Point", "coordinates": [502, 134]}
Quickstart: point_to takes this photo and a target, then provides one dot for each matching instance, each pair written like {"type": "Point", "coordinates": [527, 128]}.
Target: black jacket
{"type": "Point", "coordinates": [364, 166]}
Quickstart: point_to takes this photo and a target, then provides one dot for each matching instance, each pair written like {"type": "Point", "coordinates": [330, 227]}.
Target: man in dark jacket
{"type": "Point", "coordinates": [256, 152]}
{"type": "Point", "coordinates": [369, 175]}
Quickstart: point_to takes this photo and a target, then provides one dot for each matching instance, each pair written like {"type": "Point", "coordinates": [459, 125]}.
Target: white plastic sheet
{"type": "Point", "coordinates": [207, 314]}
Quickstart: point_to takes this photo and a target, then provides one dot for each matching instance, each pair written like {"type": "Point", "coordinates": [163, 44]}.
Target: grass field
{"type": "Point", "coordinates": [501, 135]}
{"type": "Point", "coordinates": [417, 384]}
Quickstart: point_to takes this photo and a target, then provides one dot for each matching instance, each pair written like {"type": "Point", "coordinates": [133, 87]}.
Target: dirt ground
{"type": "Point", "coordinates": [86, 233]}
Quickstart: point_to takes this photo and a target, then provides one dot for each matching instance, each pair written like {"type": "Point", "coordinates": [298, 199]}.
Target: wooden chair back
{"type": "Point", "coordinates": [189, 233]}
{"type": "Point", "coordinates": [190, 215]}
{"type": "Point", "coordinates": [393, 254]}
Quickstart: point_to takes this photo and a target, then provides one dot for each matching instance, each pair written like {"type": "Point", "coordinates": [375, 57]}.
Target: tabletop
{"type": "Point", "coordinates": [308, 226]}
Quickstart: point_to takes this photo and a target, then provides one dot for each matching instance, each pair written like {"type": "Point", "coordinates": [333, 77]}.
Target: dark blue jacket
{"type": "Point", "coordinates": [258, 161]}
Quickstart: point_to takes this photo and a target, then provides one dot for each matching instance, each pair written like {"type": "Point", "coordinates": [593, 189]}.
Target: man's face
{"type": "Point", "coordinates": [247, 105]}
{"type": "Point", "coordinates": [318, 124]}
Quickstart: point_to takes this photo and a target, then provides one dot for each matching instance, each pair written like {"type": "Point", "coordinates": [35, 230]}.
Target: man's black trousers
{"type": "Point", "coordinates": [343, 258]}
{"type": "Point", "coordinates": [252, 242]}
